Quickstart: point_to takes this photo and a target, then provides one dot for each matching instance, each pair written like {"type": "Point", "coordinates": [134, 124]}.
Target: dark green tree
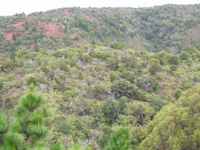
{"type": "Point", "coordinates": [122, 87]}
{"type": "Point", "coordinates": [116, 46]}
{"type": "Point", "coordinates": [14, 37]}
{"type": "Point", "coordinates": [63, 66]}
{"type": "Point", "coordinates": [12, 56]}
{"type": "Point", "coordinates": [34, 28]}
{"type": "Point", "coordinates": [154, 68]}
{"type": "Point", "coordinates": [42, 32]}
{"type": "Point", "coordinates": [173, 60]}
{"type": "Point", "coordinates": [36, 47]}
{"type": "Point", "coordinates": [177, 93]}
{"type": "Point", "coordinates": [113, 76]}
{"type": "Point", "coordinates": [31, 79]}
{"type": "Point", "coordinates": [113, 63]}
{"type": "Point", "coordinates": [8, 65]}
{"type": "Point", "coordinates": [66, 29]}
{"type": "Point", "coordinates": [184, 55]}
{"type": "Point", "coordinates": [80, 75]}
{"type": "Point", "coordinates": [26, 25]}
{"type": "Point", "coordinates": [111, 110]}
{"type": "Point", "coordinates": [35, 37]}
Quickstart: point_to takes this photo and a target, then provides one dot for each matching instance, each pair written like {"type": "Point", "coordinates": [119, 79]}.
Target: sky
{"type": "Point", "coordinates": [11, 7]}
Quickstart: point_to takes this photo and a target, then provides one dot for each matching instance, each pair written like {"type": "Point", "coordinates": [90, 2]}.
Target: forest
{"type": "Point", "coordinates": [101, 79]}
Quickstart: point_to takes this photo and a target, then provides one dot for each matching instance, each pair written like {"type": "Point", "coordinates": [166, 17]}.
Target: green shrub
{"type": "Point", "coordinates": [31, 79]}
{"type": "Point", "coordinates": [116, 46]}
{"type": "Point", "coordinates": [184, 55]}
{"type": "Point", "coordinates": [177, 93]}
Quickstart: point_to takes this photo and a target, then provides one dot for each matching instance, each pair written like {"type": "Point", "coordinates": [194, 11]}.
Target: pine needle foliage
{"type": "Point", "coordinates": [27, 123]}
{"type": "Point", "coordinates": [79, 147]}
{"type": "Point", "coordinates": [58, 146]}
{"type": "Point", "coordinates": [31, 113]}
{"type": "Point", "coordinates": [40, 146]}
{"type": "Point", "coordinates": [31, 100]}
{"type": "Point", "coordinates": [13, 138]}
{"type": "Point", "coordinates": [120, 140]}
{"type": "Point", "coordinates": [3, 126]}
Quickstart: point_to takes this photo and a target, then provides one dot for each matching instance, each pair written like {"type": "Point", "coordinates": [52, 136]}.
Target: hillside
{"type": "Point", "coordinates": [169, 28]}
{"type": "Point", "coordinates": [93, 88]}
{"type": "Point", "coordinates": [96, 70]}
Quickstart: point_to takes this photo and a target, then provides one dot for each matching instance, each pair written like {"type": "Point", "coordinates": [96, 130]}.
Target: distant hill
{"type": "Point", "coordinates": [169, 28]}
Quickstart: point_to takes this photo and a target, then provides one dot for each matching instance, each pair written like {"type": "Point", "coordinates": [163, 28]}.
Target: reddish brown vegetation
{"type": "Point", "coordinates": [134, 42]}
{"type": "Point", "coordinates": [17, 77]}
{"type": "Point", "coordinates": [192, 34]}
{"type": "Point", "coordinates": [169, 79]}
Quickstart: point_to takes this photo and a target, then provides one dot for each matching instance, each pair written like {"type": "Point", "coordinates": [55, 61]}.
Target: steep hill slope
{"type": "Point", "coordinates": [168, 27]}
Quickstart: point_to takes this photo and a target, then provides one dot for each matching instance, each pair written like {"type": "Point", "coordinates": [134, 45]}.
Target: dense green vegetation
{"type": "Point", "coordinates": [94, 89]}
{"type": "Point", "coordinates": [95, 71]}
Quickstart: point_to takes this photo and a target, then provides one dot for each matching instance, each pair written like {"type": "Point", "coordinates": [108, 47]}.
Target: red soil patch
{"type": "Point", "coordinates": [32, 46]}
{"type": "Point", "coordinates": [26, 139]}
{"type": "Point", "coordinates": [5, 95]}
{"type": "Point", "coordinates": [73, 35]}
{"type": "Point", "coordinates": [180, 80]}
{"type": "Point", "coordinates": [9, 35]}
{"type": "Point", "coordinates": [17, 77]}
{"type": "Point", "coordinates": [90, 18]}
{"type": "Point", "coordinates": [30, 21]}
{"type": "Point", "coordinates": [82, 42]}
{"type": "Point", "coordinates": [48, 14]}
{"type": "Point", "coordinates": [52, 28]}
{"type": "Point", "coordinates": [67, 12]}
{"type": "Point", "coordinates": [106, 71]}
{"type": "Point", "coordinates": [17, 26]}
{"type": "Point", "coordinates": [161, 92]}
{"type": "Point", "coordinates": [103, 97]}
